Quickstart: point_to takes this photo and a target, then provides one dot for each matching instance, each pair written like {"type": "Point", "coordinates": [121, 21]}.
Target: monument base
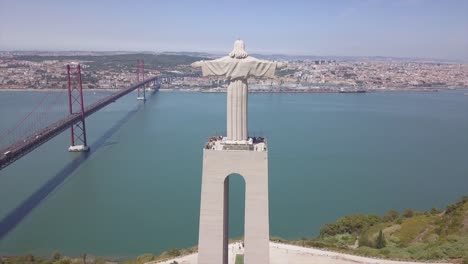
{"type": "Point", "coordinates": [78, 148]}
{"type": "Point", "coordinates": [219, 161]}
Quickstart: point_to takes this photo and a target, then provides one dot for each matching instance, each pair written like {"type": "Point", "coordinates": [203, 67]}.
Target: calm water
{"type": "Point", "coordinates": [330, 155]}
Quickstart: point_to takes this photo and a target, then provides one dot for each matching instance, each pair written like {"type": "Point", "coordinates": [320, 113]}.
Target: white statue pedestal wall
{"type": "Point", "coordinates": [218, 164]}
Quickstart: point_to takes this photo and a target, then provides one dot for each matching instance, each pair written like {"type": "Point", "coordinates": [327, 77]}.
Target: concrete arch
{"type": "Point", "coordinates": [234, 174]}
{"type": "Point", "coordinates": [217, 167]}
{"type": "Point", "coordinates": [226, 210]}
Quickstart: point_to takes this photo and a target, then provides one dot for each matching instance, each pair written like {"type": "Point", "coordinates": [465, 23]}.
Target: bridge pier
{"type": "Point", "coordinates": [78, 148]}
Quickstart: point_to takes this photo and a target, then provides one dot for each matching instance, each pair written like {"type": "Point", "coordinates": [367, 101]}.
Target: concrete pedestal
{"type": "Point", "coordinates": [78, 148]}
{"type": "Point", "coordinates": [213, 232]}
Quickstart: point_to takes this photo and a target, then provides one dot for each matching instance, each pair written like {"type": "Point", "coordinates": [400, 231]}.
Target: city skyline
{"type": "Point", "coordinates": [404, 28]}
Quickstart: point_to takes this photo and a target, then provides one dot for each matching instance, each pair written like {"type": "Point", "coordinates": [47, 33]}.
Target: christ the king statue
{"type": "Point", "coordinates": [237, 67]}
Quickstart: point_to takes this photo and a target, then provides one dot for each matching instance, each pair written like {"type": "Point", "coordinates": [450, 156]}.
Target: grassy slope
{"type": "Point", "coordinates": [423, 236]}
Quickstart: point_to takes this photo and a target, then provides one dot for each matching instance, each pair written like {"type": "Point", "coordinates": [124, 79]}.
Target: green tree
{"type": "Point", "coordinates": [408, 213]}
{"type": "Point", "coordinates": [350, 224]}
{"type": "Point", "coordinates": [56, 255]}
{"type": "Point", "coordinates": [380, 243]}
{"type": "Point", "coordinates": [390, 216]}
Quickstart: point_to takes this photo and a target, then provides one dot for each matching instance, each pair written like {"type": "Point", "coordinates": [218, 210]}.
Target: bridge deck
{"type": "Point", "coordinates": [23, 146]}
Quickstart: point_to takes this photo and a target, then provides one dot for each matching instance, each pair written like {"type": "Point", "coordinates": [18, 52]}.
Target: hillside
{"type": "Point", "coordinates": [122, 61]}
{"type": "Point", "coordinates": [430, 235]}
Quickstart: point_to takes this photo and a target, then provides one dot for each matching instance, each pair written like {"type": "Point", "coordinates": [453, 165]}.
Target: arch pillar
{"type": "Point", "coordinates": [214, 211]}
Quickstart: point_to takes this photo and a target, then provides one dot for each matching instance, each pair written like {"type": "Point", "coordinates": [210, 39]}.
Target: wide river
{"type": "Point", "coordinates": [138, 190]}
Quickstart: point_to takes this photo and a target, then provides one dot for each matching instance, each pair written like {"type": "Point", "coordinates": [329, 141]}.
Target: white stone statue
{"type": "Point", "coordinates": [238, 67]}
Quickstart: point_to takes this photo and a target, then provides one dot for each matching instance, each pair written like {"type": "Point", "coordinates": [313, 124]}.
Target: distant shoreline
{"type": "Point", "coordinates": [54, 90]}
{"type": "Point", "coordinates": [251, 90]}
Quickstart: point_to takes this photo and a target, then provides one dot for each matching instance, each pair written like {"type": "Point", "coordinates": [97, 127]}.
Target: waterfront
{"type": "Point", "coordinates": [330, 155]}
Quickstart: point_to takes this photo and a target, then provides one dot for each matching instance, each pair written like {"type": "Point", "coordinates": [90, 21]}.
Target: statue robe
{"type": "Point", "coordinates": [237, 71]}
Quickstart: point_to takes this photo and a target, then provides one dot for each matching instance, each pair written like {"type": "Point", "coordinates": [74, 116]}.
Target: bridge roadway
{"type": "Point", "coordinates": [25, 145]}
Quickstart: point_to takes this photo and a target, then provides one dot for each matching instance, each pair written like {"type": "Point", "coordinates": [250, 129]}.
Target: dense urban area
{"type": "Point", "coordinates": [46, 70]}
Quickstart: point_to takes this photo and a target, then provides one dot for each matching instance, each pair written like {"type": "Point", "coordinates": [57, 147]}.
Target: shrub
{"type": "Point", "coordinates": [173, 252]}
{"type": "Point", "coordinates": [31, 257]}
{"type": "Point", "coordinates": [464, 199]}
{"type": "Point", "coordinates": [408, 213]}
{"type": "Point", "coordinates": [390, 216]}
{"type": "Point", "coordinates": [385, 252]}
{"type": "Point", "coordinates": [56, 255]}
{"type": "Point", "coordinates": [350, 224]}
{"type": "Point", "coordinates": [450, 208]}
{"type": "Point", "coordinates": [146, 257]}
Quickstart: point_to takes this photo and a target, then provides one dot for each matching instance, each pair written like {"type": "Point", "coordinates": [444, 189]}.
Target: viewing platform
{"type": "Point", "coordinates": [258, 144]}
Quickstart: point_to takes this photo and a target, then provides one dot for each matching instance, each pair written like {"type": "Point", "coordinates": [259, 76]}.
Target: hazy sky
{"type": "Point", "coordinates": [403, 28]}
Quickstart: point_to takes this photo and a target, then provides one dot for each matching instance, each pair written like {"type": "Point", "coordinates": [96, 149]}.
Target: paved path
{"type": "Point", "coordinates": [290, 254]}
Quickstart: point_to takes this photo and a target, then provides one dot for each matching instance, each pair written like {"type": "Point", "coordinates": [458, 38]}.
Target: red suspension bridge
{"type": "Point", "coordinates": [27, 134]}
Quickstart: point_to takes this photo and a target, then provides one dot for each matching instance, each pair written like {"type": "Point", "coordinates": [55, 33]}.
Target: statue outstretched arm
{"type": "Point", "coordinates": [281, 65]}
{"type": "Point", "coordinates": [264, 68]}
{"type": "Point", "coordinates": [216, 67]}
{"type": "Point", "coordinates": [197, 64]}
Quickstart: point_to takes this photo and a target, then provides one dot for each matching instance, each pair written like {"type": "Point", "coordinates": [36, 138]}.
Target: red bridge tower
{"type": "Point", "coordinates": [76, 106]}
{"type": "Point", "coordinates": [141, 91]}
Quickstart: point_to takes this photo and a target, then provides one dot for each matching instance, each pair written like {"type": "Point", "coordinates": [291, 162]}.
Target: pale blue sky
{"type": "Point", "coordinates": [402, 28]}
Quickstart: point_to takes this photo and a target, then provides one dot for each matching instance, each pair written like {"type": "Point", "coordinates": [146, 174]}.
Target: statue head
{"type": "Point", "coordinates": [239, 50]}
